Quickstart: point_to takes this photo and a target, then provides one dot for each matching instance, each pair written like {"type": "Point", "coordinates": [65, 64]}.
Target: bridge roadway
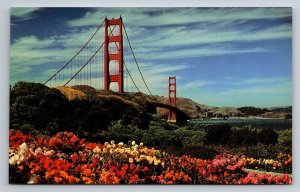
{"type": "Point", "coordinates": [181, 116]}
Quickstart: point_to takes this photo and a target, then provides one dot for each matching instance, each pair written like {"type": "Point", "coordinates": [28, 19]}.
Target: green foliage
{"type": "Point", "coordinates": [285, 137]}
{"type": "Point", "coordinates": [27, 128]}
{"type": "Point", "coordinates": [49, 111]}
{"type": "Point", "coordinates": [224, 134]}
{"type": "Point", "coordinates": [203, 152]}
{"type": "Point", "coordinates": [37, 105]}
{"type": "Point", "coordinates": [267, 136]}
{"type": "Point", "coordinates": [217, 134]}
{"type": "Point", "coordinates": [245, 136]}
{"type": "Point", "coordinates": [121, 133]}
{"type": "Point", "coordinates": [159, 136]}
{"type": "Point", "coordinates": [190, 137]}
{"type": "Point", "coordinates": [252, 110]}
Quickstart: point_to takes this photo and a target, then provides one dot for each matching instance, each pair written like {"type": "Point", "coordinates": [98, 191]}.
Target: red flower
{"type": "Point", "coordinates": [254, 180]}
{"type": "Point", "coordinates": [74, 157]}
{"type": "Point", "coordinates": [225, 174]}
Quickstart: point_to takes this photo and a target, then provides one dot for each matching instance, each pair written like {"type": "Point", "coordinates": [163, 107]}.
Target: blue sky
{"type": "Point", "coordinates": [220, 56]}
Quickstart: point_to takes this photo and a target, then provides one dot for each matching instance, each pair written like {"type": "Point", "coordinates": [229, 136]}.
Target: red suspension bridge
{"type": "Point", "coordinates": [102, 63]}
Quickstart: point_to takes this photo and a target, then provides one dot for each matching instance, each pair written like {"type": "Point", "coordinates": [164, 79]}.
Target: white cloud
{"type": "Point", "coordinates": [260, 81]}
{"type": "Point", "coordinates": [198, 83]}
{"type": "Point", "coordinates": [196, 52]}
{"type": "Point", "coordinates": [166, 16]}
{"type": "Point", "coordinates": [23, 13]}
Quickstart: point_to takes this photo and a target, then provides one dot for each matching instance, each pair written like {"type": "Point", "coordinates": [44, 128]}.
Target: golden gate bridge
{"type": "Point", "coordinates": [102, 63]}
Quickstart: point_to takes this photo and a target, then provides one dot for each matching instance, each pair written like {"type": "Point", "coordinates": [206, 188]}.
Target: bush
{"type": "Point", "coordinates": [158, 136]}
{"type": "Point", "coordinates": [190, 137]}
{"type": "Point", "coordinates": [252, 110]}
{"type": "Point", "coordinates": [37, 105]}
{"type": "Point", "coordinates": [203, 152]}
{"type": "Point", "coordinates": [267, 136]}
{"type": "Point", "coordinates": [217, 134]}
{"type": "Point", "coordinates": [245, 136]}
{"type": "Point", "coordinates": [121, 133]}
{"type": "Point", "coordinates": [285, 137]}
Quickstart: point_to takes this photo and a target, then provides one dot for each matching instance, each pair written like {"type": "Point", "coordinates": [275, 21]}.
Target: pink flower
{"type": "Point", "coordinates": [254, 180]}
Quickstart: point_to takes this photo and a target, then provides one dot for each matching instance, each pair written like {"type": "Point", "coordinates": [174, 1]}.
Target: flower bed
{"type": "Point", "coordinates": [67, 159]}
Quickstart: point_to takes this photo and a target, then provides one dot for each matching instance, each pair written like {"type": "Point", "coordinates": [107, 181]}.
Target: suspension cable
{"type": "Point", "coordinates": [137, 63]}
{"type": "Point", "coordinates": [76, 53]}
{"type": "Point", "coordinates": [131, 77]}
{"type": "Point", "coordinates": [86, 62]}
{"type": "Point", "coordinates": [84, 65]}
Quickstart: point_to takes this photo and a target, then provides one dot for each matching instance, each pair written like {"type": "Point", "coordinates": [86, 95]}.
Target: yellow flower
{"type": "Point", "coordinates": [150, 161]}
{"type": "Point", "coordinates": [97, 150]}
{"type": "Point", "coordinates": [143, 157]}
{"type": "Point", "coordinates": [148, 158]}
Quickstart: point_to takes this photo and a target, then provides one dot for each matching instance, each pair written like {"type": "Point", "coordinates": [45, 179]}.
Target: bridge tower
{"type": "Point", "coordinates": [172, 98]}
{"type": "Point", "coordinates": [112, 40]}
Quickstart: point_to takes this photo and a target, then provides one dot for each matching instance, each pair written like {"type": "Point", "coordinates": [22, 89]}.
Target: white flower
{"type": "Point", "coordinates": [33, 180]}
{"type": "Point", "coordinates": [130, 160]}
{"type": "Point", "coordinates": [49, 153]}
{"type": "Point", "coordinates": [133, 143]}
{"type": "Point", "coordinates": [14, 159]}
{"type": "Point", "coordinates": [23, 147]}
{"type": "Point", "coordinates": [38, 151]}
{"type": "Point", "coordinates": [20, 155]}
{"type": "Point", "coordinates": [141, 144]}
{"type": "Point", "coordinates": [120, 144]}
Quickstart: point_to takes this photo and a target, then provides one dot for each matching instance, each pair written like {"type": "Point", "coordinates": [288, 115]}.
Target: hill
{"type": "Point", "coordinates": [190, 107]}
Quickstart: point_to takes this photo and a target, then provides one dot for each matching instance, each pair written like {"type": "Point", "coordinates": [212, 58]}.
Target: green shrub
{"type": "Point", "coordinates": [267, 136]}
{"type": "Point", "coordinates": [190, 137]}
{"type": "Point", "coordinates": [217, 134]}
{"type": "Point", "coordinates": [121, 133]}
{"type": "Point", "coordinates": [203, 152]}
{"type": "Point", "coordinates": [37, 105]}
{"type": "Point", "coordinates": [158, 136]}
{"type": "Point", "coordinates": [244, 136]}
{"type": "Point", "coordinates": [285, 137]}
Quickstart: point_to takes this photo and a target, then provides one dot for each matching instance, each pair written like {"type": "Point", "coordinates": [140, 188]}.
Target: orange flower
{"type": "Point", "coordinates": [21, 167]}
{"type": "Point", "coordinates": [64, 174]}
{"type": "Point", "coordinates": [57, 179]}
{"type": "Point", "coordinates": [87, 172]}
{"type": "Point", "coordinates": [225, 174]}
{"type": "Point", "coordinates": [186, 178]}
{"type": "Point", "coordinates": [87, 180]}
{"type": "Point", "coordinates": [169, 175]}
